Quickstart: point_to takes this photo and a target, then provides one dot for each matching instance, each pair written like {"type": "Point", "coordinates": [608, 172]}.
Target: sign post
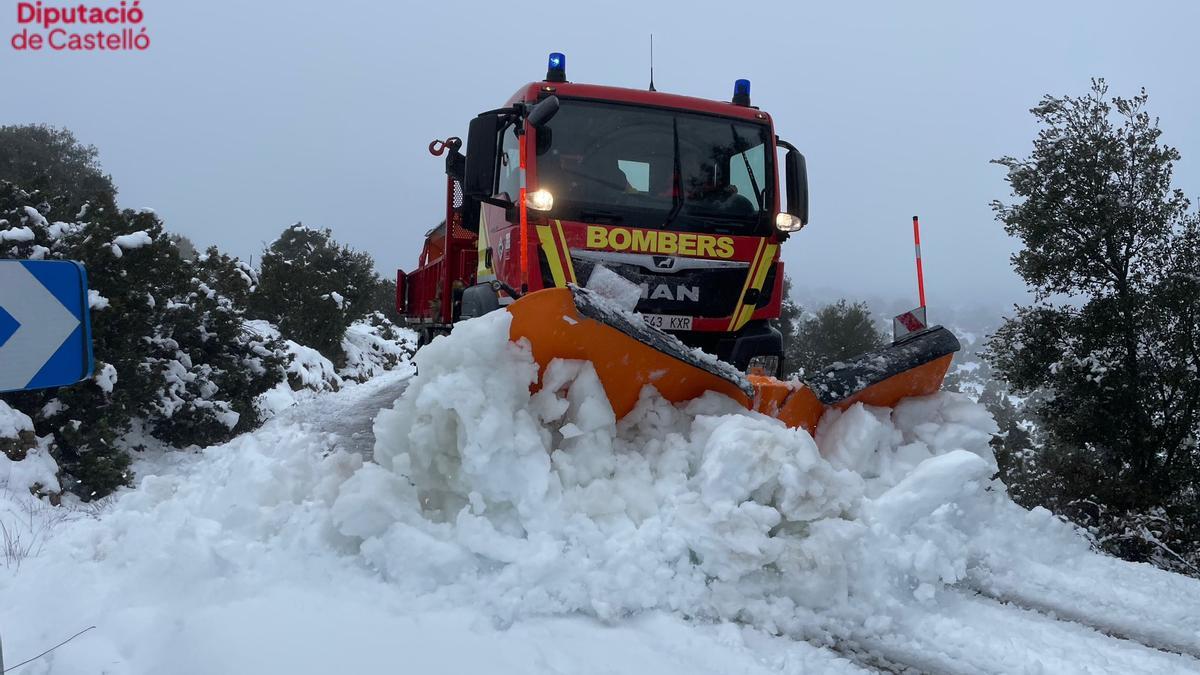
{"type": "Point", "coordinates": [45, 327]}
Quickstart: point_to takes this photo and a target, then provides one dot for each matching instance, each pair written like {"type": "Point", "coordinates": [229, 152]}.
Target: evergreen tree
{"type": "Point", "coordinates": [1111, 251]}
{"type": "Point", "coordinates": [836, 332]}
{"type": "Point", "coordinates": [171, 349]}
{"type": "Point", "coordinates": [40, 157]}
{"type": "Point", "coordinates": [313, 288]}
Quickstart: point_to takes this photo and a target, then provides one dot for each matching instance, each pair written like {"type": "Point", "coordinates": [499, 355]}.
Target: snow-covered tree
{"type": "Point", "coordinates": [170, 350]}
{"type": "Point", "coordinates": [1111, 251]}
{"type": "Point", "coordinates": [313, 288]}
{"type": "Point", "coordinates": [52, 161]}
{"type": "Point", "coordinates": [835, 332]}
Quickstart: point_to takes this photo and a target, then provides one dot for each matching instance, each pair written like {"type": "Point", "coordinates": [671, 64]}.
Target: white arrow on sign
{"type": "Point", "coordinates": [45, 325]}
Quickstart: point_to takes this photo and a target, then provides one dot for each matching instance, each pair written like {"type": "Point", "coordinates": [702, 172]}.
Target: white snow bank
{"type": "Point", "coordinates": [510, 532]}
{"type": "Point", "coordinates": [230, 561]}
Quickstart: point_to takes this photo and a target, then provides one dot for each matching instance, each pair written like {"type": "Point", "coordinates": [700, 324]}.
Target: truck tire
{"type": "Point", "coordinates": [757, 338]}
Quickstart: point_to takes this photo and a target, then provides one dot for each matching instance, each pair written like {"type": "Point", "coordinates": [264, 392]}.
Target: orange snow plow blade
{"type": "Point", "coordinates": [575, 323]}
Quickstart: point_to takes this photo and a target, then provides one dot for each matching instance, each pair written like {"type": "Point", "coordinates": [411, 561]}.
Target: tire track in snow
{"type": "Point", "coordinates": [874, 662]}
{"type": "Point", "coordinates": [1135, 601]}
{"type": "Point", "coordinates": [351, 416]}
{"type": "Point", "coordinates": [1118, 627]}
{"type": "Point", "coordinates": [967, 633]}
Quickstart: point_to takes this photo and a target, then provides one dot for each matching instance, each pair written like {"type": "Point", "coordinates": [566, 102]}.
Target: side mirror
{"type": "Point", "coordinates": [483, 138]}
{"type": "Point", "coordinates": [542, 112]}
{"type": "Point", "coordinates": [797, 185]}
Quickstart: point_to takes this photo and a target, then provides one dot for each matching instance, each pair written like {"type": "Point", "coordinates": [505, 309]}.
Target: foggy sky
{"type": "Point", "coordinates": [247, 116]}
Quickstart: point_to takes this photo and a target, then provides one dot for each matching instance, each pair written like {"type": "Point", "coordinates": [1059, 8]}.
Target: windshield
{"type": "Point", "coordinates": [650, 167]}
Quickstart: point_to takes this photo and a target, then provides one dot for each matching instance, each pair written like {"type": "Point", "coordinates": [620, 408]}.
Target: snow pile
{"type": "Point", "coordinates": [509, 532]}
{"type": "Point", "coordinates": [544, 503]}
{"type": "Point", "coordinates": [230, 561]}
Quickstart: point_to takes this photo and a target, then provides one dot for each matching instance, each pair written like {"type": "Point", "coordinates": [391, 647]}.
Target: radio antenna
{"type": "Point", "coordinates": [652, 63]}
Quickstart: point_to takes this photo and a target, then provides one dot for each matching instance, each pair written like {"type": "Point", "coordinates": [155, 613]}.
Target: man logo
{"type": "Point", "coordinates": [678, 293]}
{"type": "Point", "coordinates": [663, 262]}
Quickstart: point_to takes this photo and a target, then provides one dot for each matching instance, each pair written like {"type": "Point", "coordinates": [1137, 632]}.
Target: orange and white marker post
{"type": "Point", "coordinates": [915, 319]}
{"type": "Point", "coordinates": [917, 246]}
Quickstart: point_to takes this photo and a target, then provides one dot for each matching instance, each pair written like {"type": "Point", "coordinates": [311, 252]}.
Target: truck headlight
{"type": "Point", "coordinates": [786, 222]}
{"type": "Point", "coordinates": [539, 200]}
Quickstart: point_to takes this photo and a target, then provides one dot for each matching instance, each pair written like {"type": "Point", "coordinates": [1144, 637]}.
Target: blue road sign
{"type": "Point", "coordinates": [45, 329]}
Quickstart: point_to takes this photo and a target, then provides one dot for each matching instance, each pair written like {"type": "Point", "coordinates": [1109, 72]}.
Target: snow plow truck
{"type": "Point", "coordinates": [568, 184]}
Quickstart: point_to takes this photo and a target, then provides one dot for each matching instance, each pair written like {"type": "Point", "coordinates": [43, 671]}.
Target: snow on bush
{"type": "Point", "coordinates": [373, 345]}
{"type": "Point", "coordinates": [25, 461]}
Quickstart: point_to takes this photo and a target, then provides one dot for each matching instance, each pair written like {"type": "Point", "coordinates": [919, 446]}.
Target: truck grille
{"type": "Point", "coordinates": [705, 292]}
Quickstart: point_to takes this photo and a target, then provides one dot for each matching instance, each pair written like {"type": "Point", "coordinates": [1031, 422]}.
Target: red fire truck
{"type": "Point", "coordinates": [676, 194]}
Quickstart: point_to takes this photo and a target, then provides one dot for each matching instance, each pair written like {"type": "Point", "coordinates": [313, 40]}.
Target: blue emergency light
{"type": "Point", "coordinates": [741, 92]}
{"type": "Point", "coordinates": [556, 68]}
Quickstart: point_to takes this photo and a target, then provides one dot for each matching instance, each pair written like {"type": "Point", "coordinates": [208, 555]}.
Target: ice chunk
{"type": "Point", "coordinates": [616, 288]}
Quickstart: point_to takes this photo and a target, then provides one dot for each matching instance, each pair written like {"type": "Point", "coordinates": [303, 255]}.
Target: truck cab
{"type": "Point", "coordinates": [678, 195]}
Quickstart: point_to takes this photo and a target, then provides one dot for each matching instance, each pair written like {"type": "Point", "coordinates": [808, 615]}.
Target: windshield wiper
{"type": "Point", "coordinates": [741, 148]}
{"type": "Point", "coordinates": [677, 187]}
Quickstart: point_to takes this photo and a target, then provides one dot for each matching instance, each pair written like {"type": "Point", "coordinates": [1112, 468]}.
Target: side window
{"type": "Point", "coordinates": [740, 178]}
{"type": "Point", "coordinates": [636, 173]}
{"type": "Point", "coordinates": [510, 164]}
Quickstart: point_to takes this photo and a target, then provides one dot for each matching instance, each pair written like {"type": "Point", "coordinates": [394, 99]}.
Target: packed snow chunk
{"type": "Point", "coordinates": [544, 502]}
{"type": "Point", "coordinates": [937, 482]}
{"type": "Point", "coordinates": [947, 421]}
{"type": "Point", "coordinates": [884, 445]}
{"type": "Point", "coordinates": [753, 459]}
{"type": "Point", "coordinates": [133, 240]}
{"type": "Point", "coordinates": [616, 288]}
{"type": "Point", "coordinates": [464, 422]}
{"type": "Point", "coordinates": [925, 526]}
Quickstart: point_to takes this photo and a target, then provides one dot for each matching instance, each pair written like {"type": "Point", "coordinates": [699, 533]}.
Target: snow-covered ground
{"type": "Point", "coordinates": [503, 532]}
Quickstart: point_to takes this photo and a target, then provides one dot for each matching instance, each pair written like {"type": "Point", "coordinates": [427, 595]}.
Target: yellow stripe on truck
{"type": "Point", "coordinates": [760, 277]}
{"type": "Point", "coordinates": [566, 250]}
{"type": "Point", "coordinates": [558, 272]}
{"type": "Point", "coordinates": [737, 311]}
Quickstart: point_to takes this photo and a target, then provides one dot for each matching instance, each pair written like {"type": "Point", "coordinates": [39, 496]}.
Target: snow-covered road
{"type": "Point", "coordinates": [501, 532]}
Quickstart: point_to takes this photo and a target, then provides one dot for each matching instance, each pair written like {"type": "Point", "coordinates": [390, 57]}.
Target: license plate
{"type": "Point", "coordinates": [668, 321]}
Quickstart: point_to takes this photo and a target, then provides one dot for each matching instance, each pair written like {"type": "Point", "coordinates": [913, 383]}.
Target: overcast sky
{"type": "Point", "coordinates": [244, 117]}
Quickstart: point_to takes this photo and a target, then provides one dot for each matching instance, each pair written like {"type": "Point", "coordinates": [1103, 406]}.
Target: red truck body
{"type": "Point", "coordinates": [716, 285]}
